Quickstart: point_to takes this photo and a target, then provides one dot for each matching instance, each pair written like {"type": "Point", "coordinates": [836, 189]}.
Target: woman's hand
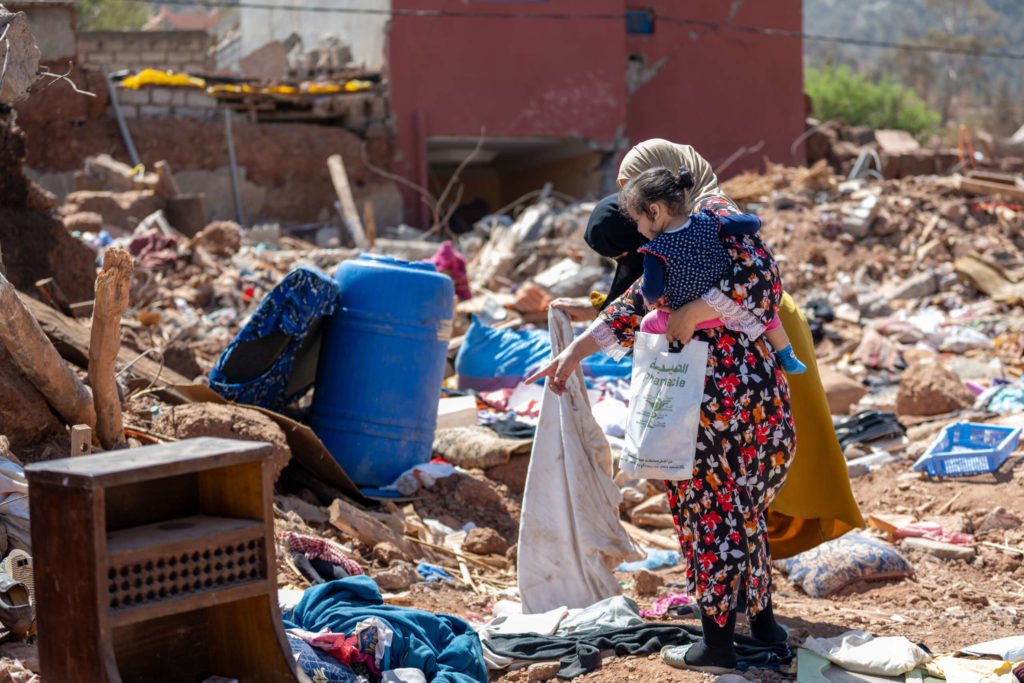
{"type": "Point", "coordinates": [578, 310]}
{"type": "Point", "coordinates": [558, 370]}
{"type": "Point", "coordinates": [684, 320]}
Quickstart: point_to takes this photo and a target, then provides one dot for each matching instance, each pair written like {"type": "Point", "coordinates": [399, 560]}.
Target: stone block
{"type": "Point", "coordinates": [128, 96]}
{"type": "Point", "coordinates": [188, 112]}
{"type": "Point", "coordinates": [153, 110]}
{"type": "Point", "coordinates": [198, 99]}
{"type": "Point", "coordinates": [154, 58]}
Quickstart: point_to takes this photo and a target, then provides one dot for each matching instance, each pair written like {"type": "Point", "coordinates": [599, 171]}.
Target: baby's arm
{"type": "Point", "coordinates": [653, 286]}
{"type": "Point", "coordinates": [739, 224]}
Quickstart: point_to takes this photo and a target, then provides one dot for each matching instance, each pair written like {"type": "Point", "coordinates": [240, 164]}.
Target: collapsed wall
{"type": "Point", "coordinates": [283, 165]}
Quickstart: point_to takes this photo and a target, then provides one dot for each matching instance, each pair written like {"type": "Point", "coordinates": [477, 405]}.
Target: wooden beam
{"type": "Point", "coordinates": [348, 205]}
{"type": "Point", "coordinates": [40, 361]}
{"type": "Point", "coordinates": [112, 285]}
{"type": "Point", "coordinates": [54, 295]}
{"type": "Point", "coordinates": [370, 223]}
{"type": "Point", "coordinates": [71, 339]}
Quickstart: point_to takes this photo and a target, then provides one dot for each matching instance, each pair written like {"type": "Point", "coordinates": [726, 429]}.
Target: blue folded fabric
{"type": "Point", "coordinates": [446, 649]}
{"type": "Point", "coordinates": [258, 365]}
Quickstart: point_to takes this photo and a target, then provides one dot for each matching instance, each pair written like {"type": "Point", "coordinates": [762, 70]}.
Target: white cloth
{"type": "Point", "coordinates": [1011, 648]}
{"type": "Point", "coordinates": [868, 654]}
{"type": "Point", "coordinates": [570, 536]}
{"type": "Point", "coordinates": [405, 675]}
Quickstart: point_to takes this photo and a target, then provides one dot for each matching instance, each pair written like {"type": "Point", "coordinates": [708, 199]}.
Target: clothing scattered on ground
{"type": "Point", "coordinates": [444, 647]}
{"type": "Point", "coordinates": [580, 653]}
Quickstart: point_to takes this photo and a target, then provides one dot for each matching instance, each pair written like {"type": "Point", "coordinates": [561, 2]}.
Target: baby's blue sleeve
{"type": "Point", "coordinates": [739, 224]}
{"type": "Point", "coordinates": [653, 285]}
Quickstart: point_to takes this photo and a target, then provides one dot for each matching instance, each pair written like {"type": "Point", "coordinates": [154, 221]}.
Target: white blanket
{"type": "Point", "coordinates": [570, 537]}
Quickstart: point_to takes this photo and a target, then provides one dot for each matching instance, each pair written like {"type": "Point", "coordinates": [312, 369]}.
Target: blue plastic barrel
{"type": "Point", "coordinates": [381, 365]}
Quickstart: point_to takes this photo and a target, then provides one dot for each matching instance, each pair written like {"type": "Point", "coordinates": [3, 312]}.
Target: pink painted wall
{"type": "Point", "coordinates": [720, 90]}
{"type": "Point", "coordinates": [717, 90]}
{"type": "Point", "coordinates": [521, 77]}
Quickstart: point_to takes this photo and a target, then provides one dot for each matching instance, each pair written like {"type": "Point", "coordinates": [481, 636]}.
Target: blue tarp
{"type": "Point", "coordinates": [492, 359]}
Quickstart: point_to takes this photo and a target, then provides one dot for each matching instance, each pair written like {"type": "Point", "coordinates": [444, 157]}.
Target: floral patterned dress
{"type": "Point", "coordinates": [746, 439]}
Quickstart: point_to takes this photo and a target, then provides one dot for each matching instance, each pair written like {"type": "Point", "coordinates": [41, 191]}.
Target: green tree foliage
{"type": "Point", "coordinates": [841, 93]}
{"type": "Point", "coordinates": [112, 15]}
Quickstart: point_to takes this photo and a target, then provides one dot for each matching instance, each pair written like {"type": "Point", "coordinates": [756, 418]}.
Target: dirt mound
{"type": "Point", "coordinates": [230, 422]}
{"type": "Point", "coordinates": [929, 389]}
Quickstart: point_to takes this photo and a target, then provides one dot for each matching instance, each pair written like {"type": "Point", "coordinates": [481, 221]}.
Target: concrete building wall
{"type": "Point", "coordinates": [720, 90]}
{"type": "Point", "coordinates": [523, 77]}
{"type": "Point", "coordinates": [530, 77]}
{"type": "Point", "coordinates": [365, 34]}
{"type": "Point", "coordinates": [183, 51]}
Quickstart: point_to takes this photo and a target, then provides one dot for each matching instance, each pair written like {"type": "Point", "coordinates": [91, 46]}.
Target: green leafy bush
{"type": "Point", "coordinates": [841, 93]}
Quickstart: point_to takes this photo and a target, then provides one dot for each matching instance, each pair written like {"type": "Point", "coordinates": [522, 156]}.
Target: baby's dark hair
{"type": "Point", "coordinates": [656, 185]}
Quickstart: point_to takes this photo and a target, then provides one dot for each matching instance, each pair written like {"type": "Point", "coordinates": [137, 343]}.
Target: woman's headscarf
{"type": "Point", "coordinates": [657, 153]}
{"type": "Point", "coordinates": [611, 233]}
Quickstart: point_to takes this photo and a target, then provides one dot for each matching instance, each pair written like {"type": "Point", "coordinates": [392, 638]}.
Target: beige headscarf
{"type": "Point", "coordinates": [657, 153]}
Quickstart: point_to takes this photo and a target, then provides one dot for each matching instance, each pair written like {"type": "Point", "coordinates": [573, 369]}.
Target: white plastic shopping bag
{"type": "Point", "coordinates": [664, 408]}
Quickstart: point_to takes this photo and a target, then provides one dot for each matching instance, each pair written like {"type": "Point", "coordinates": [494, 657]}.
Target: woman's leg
{"type": "Point", "coordinates": [743, 455]}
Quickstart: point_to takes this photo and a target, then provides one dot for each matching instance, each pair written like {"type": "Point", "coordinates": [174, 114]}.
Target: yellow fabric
{"type": "Point", "coordinates": [156, 77]}
{"type": "Point", "coordinates": [597, 300]}
{"type": "Point", "coordinates": [963, 670]}
{"type": "Point", "coordinates": [816, 503]}
{"type": "Point", "coordinates": [658, 153]}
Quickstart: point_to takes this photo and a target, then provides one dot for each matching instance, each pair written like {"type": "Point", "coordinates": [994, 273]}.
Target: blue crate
{"type": "Point", "coordinates": [968, 448]}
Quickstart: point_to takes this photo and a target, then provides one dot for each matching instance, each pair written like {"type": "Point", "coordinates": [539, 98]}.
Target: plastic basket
{"type": "Point", "coordinates": [968, 448]}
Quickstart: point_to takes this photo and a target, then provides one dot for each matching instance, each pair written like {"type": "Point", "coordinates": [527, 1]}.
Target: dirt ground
{"type": "Point", "coordinates": [946, 605]}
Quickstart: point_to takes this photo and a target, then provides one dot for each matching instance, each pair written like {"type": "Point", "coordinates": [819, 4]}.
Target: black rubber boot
{"type": "Point", "coordinates": [716, 650]}
{"type": "Point", "coordinates": [764, 627]}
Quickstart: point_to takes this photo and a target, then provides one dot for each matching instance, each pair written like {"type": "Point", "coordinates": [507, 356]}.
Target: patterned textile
{"type": "Point", "coordinates": [746, 441]}
{"type": "Point", "coordinates": [319, 666]}
{"type": "Point", "coordinates": [453, 264]}
{"type": "Point", "coordinates": [320, 549]}
{"type": "Point", "coordinates": [289, 309]}
{"type": "Point", "coordinates": [661, 606]}
{"type": "Point", "coordinates": [694, 259]}
{"type": "Point", "coordinates": [851, 558]}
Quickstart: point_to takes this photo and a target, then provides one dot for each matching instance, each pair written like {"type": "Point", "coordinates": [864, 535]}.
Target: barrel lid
{"type": "Point", "coordinates": [397, 262]}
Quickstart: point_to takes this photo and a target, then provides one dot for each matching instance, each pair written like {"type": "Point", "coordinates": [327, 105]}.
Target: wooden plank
{"type": "Point", "coordinates": [66, 593]}
{"type": "Point", "coordinates": [54, 295]}
{"type": "Point", "coordinates": [986, 187]}
{"type": "Point", "coordinates": [648, 538]}
{"type": "Point", "coordinates": [171, 536]}
{"type": "Point", "coordinates": [176, 646]}
{"type": "Point", "coordinates": [189, 602]}
{"type": "Point", "coordinates": [71, 339]}
{"type": "Point", "coordinates": [370, 223]}
{"type": "Point", "coordinates": [348, 204]}
{"type": "Point", "coordinates": [81, 440]}
{"type": "Point", "coordinates": [152, 462]}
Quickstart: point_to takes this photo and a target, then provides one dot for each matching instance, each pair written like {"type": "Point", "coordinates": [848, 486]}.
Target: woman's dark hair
{"type": "Point", "coordinates": [656, 185]}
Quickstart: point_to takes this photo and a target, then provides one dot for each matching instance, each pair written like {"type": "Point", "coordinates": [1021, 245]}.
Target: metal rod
{"type": "Point", "coordinates": [132, 154]}
{"type": "Point", "coordinates": [234, 169]}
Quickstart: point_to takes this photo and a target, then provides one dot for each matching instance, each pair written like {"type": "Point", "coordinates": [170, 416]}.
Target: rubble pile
{"type": "Point", "coordinates": [910, 285]}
